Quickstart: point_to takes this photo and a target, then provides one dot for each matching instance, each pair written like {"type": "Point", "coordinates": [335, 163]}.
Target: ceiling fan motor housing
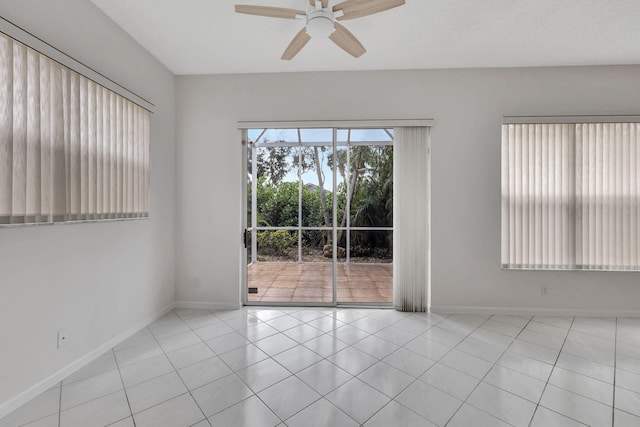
{"type": "Point", "coordinates": [320, 23]}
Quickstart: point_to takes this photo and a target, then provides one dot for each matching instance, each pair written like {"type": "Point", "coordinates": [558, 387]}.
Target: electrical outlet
{"type": "Point", "coordinates": [62, 338]}
{"type": "Point", "coordinates": [196, 281]}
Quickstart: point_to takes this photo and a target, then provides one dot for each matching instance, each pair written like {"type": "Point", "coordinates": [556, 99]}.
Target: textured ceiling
{"type": "Point", "coordinates": [207, 37]}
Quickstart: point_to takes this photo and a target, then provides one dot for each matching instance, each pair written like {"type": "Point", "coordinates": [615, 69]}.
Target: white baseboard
{"type": "Point", "coordinates": [534, 311]}
{"type": "Point", "coordinates": [14, 403]}
{"type": "Point", "coordinates": [208, 305]}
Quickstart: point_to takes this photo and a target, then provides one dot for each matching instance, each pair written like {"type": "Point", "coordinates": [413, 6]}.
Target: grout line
{"type": "Point", "coordinates": [570, 369]}
{"type": "Point", "coordinates": [551, 373]}
{"type": "Point", "coordinates": [332, 404]}
{"type": "Point", "coordinates": [83, 403]}
{"type": "Point", "coordinates": [90, 400]}
{"type": "Point", "coordinates": [615, 375]}
{"type": "Point", "coordinates": [123, 387]}
{"type": "Point", "coordinates": [60, 405]}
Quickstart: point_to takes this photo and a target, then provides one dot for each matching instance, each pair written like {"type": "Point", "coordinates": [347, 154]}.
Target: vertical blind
{"type": "Point", "coordinates": [70, 149]}
{"type": "Point", "coordinates": [411, 218]}
{"type": "Point", "coordinates": [570, 195]}
{"type": "Point", "coordinates": [607, 196]}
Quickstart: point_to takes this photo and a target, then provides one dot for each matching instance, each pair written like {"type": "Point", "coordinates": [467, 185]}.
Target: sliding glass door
{"type": "Point", "coordinates": [319, 216]}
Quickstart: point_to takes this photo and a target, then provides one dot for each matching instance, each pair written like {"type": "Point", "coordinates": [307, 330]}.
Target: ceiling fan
{"type": "Point", "coordinates": [321, 21]}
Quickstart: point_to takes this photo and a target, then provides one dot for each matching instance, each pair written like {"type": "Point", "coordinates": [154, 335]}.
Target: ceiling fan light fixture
{"type": "Point", "coordinates": [320, 24]}
{"type": "Point", "coordinates": [321, 21]}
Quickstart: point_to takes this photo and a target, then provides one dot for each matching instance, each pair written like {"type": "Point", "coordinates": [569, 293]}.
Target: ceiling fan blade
{"type": "Point", "coordinates": [298, 42]}
{"type": "Point", "coordinates": [347, 41]}
{"type": "Point", "coordinates": [325, 3]}
{"type": "Point", "coordinates": [273, 12]}
{"type": "Point", "coordinates": [358, 8]}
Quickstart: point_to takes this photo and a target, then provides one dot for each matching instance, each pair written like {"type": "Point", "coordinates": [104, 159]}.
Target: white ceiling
{"type": "Point", "coordinates": [207, 37]}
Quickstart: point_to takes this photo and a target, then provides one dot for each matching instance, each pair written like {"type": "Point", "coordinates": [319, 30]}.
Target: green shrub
{"type": "Point", "coordinates": [276, 242]}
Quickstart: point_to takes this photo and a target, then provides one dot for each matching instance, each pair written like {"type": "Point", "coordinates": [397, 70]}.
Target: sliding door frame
{"type": "Point", "coordinates": [252, 228]}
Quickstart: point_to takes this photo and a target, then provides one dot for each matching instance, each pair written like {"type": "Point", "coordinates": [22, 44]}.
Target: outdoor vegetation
{"type": "Point", "coordinates": [369, 172]}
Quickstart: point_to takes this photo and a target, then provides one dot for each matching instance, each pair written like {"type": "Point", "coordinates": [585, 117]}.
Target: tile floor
{"type": "Point", "coordinates": [293, 282]}
{"type": "Point", "coordinates": [346, 367]}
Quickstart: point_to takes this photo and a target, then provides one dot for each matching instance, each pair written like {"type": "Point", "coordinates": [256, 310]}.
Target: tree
{"type": "Point", "coordinates": [313, 159]}
{"type": "Point", "coordinates": [356, 166]}
{"type": "Point", "coordinates": [274, 163]}
{"type": "Point", "coordinates": [374, 204]}
{"type": "Point", "coordinates": [323, 194]}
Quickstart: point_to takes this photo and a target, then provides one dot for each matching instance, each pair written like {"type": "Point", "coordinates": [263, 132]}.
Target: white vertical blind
{"type": "Point", "coordinates": [537, 196]}
{"type": "Point", "coordinates": [570, 196]}
{"type": "Point", "coordinates": [64, 141]}
{"type": "Point", "coordinates": [411, 218]}
{"type": "Point", "coordinates": [608, 194]}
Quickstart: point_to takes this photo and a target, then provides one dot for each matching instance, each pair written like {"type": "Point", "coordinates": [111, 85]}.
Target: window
{"type": "Point", "coordinates": [571, 196]}
{"type": "Point", "coordinates": [70, 149]}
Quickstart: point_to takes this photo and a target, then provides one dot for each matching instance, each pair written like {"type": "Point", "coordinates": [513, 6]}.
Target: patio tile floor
{"type": "Point", "coordinates": [293, 282]}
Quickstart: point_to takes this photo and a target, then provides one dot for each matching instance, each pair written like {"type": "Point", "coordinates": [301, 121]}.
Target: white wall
{"type": "Point", "coordinates": [95, 280]}
{"type": "Point", "coordinates": [467, 106]}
